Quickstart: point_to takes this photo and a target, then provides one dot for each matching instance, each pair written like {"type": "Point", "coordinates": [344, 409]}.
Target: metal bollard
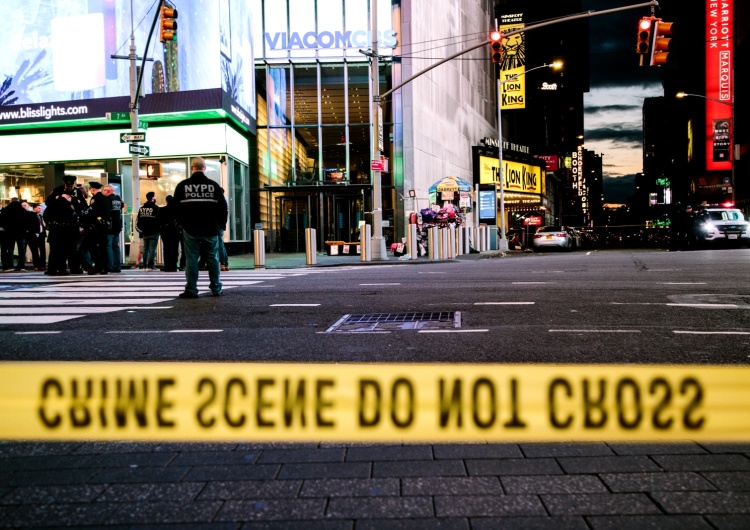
{"type": "Point", "coordinates": [451, 242]}
{"type": "Point", "coordinates": [311, 250]}
{"type": "Point", "coordinates": [259, 248]}
{"type": "Point", "coordinates": [432, 242]}
{"type": "Point", "coordinates": [365, 248]}
{"type": "Point", "coordinates": [412, 242]}
{"type": "Point", "coordinates": [459, 241]}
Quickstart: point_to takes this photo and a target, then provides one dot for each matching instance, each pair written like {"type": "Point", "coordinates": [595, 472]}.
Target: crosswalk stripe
{"type": "Point", "coordinates": [38, 299]}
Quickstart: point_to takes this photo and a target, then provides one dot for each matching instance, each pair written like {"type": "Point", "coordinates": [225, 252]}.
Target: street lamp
{"type": "Point", "coordinates": [731, 121]}
{"type": "Point", "coordinates": [500, 83]}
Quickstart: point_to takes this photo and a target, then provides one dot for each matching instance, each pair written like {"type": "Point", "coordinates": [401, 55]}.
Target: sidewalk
{"type": "Point", "coordinates": [294, 260]}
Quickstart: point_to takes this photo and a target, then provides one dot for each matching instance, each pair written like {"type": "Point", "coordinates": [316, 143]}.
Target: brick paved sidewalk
{"type": "Point", "coordinates": [330, 486]}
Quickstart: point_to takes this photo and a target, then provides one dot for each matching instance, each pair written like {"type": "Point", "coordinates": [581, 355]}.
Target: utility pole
{"type": "Point", "coordinates": [135, 242]}
{"type": "Point", "coordinates": [378, 243]}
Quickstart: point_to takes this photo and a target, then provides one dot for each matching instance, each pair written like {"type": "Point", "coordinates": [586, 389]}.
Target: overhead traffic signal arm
{"type": "Point", "coordinates": [496, 46]}
{"type": "Point", "coordinates": [661, 33]}
{"type": "Point", "coordinates": [168, 24]}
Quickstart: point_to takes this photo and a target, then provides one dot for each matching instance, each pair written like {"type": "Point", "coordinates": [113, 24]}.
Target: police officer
{"type": "Point", "coordinates": [202, 212]}
{"type": "Point", "coordinates": [147, 225]}
{"type": "Point", "coordinates": [96, 226]}
{"type": "Point", "coordinates": [171, 234]}
{"type": "Point", "coordinates": [116, 207]}
{"type": "Point", "coordinates": [62, 227]}
{"type": "Point", "coordinates": [76, 199]}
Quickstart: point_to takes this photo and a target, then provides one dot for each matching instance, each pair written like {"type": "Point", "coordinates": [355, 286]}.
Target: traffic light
{"type": "Point", "coordinates": [662, 33]}
{"type": "Point", "coordinates": [168, 25]}
{"type": "Point", "coordinates": [643, 45]}
{"type": "Point", "coordinates": [496, 46]}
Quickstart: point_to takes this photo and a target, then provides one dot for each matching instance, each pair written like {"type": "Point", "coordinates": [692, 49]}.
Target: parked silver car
{"type": "Point", "coordinates": [553, 237]}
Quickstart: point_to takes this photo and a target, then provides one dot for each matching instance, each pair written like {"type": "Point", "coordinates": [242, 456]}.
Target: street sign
{"type": "Point", "coordinates": [132, 137]}
{"type": "Point", "coordinates": [117, 116]}
{"type": "Point", "coordinates": [140, 149]}
{"type": "Point", "coordinates": [142, 124]}
{"type": "Point", "coordinates": [377, 165]}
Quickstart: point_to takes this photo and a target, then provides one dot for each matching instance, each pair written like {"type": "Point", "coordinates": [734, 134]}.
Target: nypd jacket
{"type": "Point", "coordinates": [201, 206]}
{"type": "Point", "coordinates": [148, 219]}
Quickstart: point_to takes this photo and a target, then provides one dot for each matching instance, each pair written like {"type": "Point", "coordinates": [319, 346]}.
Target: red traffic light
{"type": "Point", "coordinates": [168, 25]}
{"type": "Point", "coordinates": [496, 46]}
{"type": "Point", "coordinates": [643, 45]}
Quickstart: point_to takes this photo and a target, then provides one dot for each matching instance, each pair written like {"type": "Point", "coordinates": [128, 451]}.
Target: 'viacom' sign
{"type": "Point", "coordinates": [328, 39]}
{"type": "Point", "coordinates": [518, 176]}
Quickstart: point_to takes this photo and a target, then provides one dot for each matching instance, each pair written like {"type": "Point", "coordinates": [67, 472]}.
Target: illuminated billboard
{"type": "Point", "coordinates": [57, 62]}
{"type": "Point", "coordinates": [719, 84]}
{"type": "Point", "coordinates": [518, 176]}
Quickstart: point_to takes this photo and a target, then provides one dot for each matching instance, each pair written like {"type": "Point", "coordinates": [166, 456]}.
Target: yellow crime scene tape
{"type": "Point", "coordinates": [372, 402]}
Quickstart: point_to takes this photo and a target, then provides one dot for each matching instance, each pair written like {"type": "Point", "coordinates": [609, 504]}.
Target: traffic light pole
{"type": "Point", "coordinates": [136, 79]}
{"type": "Point", "coordinates": [135, 240]}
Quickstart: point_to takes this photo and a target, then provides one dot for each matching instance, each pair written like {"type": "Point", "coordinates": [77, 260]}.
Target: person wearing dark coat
{"type": "Point", "coordinates": [14, 219]}
{"type": "Point", "coordinates": [63, 229]}
{"type": "Point", "coordinates": [171, 235]}
{"type": "Point", "coordinates": [79, 204]}
{"type": "Point", "coordinates": [36, 238]}
{"type": "Point", "coordinates": [116, 207]}
{"type": "Point", "coordinates": [96, 224]}
{"type": "Point", "coordinates": [202, 212]}
{"type": "Point", "coordinates": [147, 224]}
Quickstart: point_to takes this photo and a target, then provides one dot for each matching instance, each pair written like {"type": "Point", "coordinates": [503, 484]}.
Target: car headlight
{"type": "Point", "coordinates": [708, 227]}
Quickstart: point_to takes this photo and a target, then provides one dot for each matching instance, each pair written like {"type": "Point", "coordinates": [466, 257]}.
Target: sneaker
{"type": "Point", "coordinates": [225, 267]}
{"type": "Point", "coordinates": [187, 295]}
{"type": "Point", "coordinates": [220, 293]}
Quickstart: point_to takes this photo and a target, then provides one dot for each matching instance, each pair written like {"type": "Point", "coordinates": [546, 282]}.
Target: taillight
{"type": "Point", "coordinates": [561, 235]}
{"type": "Point", "coordinates": [537, 236]}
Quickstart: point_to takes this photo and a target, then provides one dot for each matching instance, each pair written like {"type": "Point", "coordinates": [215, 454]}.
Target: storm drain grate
{"type": "Point", "coordinates": [397, 321]}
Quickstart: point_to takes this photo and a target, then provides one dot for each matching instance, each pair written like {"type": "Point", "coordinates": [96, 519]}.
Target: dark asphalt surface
{"type": "Point", "coordinates": [247, 485]}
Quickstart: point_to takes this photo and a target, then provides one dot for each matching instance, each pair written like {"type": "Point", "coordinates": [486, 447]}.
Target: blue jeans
{"type": "Point", "coordinates": [204, 248]}
{"type": "Point", "coordinates": [113, 252]}
{"type": "Point", "coordinates": [149, 250]}
{"type": "Point", "coordinates": [223, 256]}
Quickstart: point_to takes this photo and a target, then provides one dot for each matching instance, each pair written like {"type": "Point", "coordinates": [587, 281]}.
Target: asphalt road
{"type": "Point", "coordinates": [616, 306]}
{"type": "Point", "coordinates": [640, 306]}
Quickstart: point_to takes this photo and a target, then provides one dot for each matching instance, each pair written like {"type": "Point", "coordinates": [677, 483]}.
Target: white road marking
{"type": "Point", "coordinates": [36, 320]}
{"type": "Point", "coordinates": [528, 283]}
{"type": "Point", "coordinates": [57, 310]}
{"type": "Point", "coordinates": [380, 284]}
{"type": "Point", "coordinates": [79, 294]}
{"type": "Point", "coordinates": [38, 332]}
{"type": "Point", "coordinates": [196, 331]}
{"type": "Point", "coordinates": [86, 301]}
{"type": "Point", "coordinates": [504, 303]}
{"type": "Point", "coordinates": [452, 331]}
{"type": "Point", "coordinates": [714, 306]}
{"type": "Point", "coordinates": [594, 331]}
{"type": "Point", "coordinates": [682, 283]}
{"type": "Point", "coordinates": [294, 305]}
{"type": "Point", "coordinates": [679, 332]}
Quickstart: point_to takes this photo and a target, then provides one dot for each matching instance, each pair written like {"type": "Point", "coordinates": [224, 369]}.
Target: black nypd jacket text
{"type": "Point", "coordinates": [148, 219]}
{"type": "Point", "coordinates": [201, 205]}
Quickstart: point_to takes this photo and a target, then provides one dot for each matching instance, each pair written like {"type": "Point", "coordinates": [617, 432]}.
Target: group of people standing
{"type": "Point", "coordinates": [83, 233]}
{"type": "Point", "coordinates": [83, 230]}
{"type": "Point", "coordinates": [22, 227]}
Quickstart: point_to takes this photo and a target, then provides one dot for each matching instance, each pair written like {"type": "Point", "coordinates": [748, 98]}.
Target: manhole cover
{"type": "Point", "coordinates": [397, 321]}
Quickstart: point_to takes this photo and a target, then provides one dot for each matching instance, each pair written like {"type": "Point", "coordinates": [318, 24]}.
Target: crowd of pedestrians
{"type": "Point", "coordinates": [82, 229]}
